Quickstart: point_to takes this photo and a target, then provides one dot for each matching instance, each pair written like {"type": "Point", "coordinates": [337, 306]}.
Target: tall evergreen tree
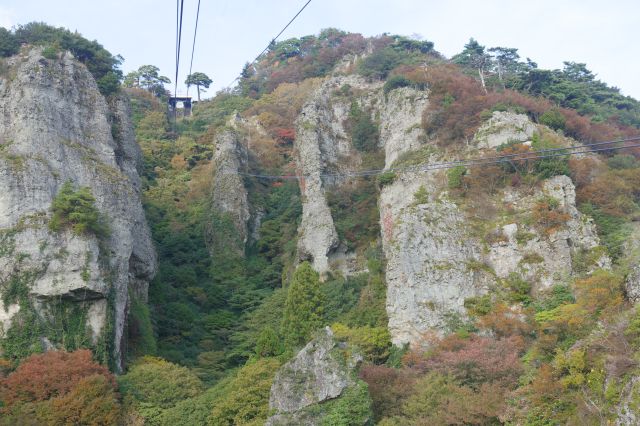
{"type": "Point", "coordinates": [303, 310]}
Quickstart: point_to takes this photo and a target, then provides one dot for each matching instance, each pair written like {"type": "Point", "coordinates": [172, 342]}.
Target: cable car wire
{"type": "Point", "coordinates": [524, 156]}
{"type": "Point", "coordinates": [193, 47]}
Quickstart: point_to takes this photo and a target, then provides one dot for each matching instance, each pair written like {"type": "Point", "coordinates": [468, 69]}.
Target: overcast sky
{"type": "Point", "coordinates": [604, 34]}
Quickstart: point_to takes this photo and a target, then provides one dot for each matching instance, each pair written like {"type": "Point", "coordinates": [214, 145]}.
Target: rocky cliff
{"type": "Point", "coordinates": [229, 196]}
{"type": "Point", "coordinates": [56, 128]}
{"type": "Point", "coordinates": [438, 251]}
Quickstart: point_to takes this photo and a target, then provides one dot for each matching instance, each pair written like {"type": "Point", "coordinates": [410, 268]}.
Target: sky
{"type": "Point", "coordinates": [603, 34]}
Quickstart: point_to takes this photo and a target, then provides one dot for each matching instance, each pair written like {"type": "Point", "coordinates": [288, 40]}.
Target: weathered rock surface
{"type": "Point", "coordinates": [504, 127]}
{"type": "Point", "coordinates": [56, 127]}
{"type": "Point", "coordinates": [322, 146]}
{"type": "Point", "coordinates": [229, 193]}
{"type": "Point", "coordinates": [632, 284]}
{"type": "Point", "coordinates": [400, 122]}
{"type": "Point", "coordinates": [320, 372]}
{"type": "Point", "coordinates": [436, 259]}
{"type": "Point", "coordinates": [430, 259]}
{"type": "Point", "coordinates": [627, 409]}
{"type": "Point", "coordinates": [544, 259]}
{"type": "Point", "coordinates": [632, 261]}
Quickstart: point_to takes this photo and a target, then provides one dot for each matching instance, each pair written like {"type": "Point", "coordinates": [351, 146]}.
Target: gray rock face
{"type": "Point", "coordinates": [627, 410]}
{"type": "Point", "coordinates": [632, 285]}
{"type": "Point", "coordinates": [319, 372]}
{"type": "Point", "coordinates": [435, 260]}
{"type": "Point", "coordinates": [400, 122]}
{"type": "Point", "coordinates": [55, 127]}
{"type": "Point", "coordinates": [504, 127]}
{"type": "Point", "coordinates": [430, 259]}
{"type": "Point", "coordinates": [544, 259]}
{"type": "Point", "coordinates": [632, 259]}
{"type": "Point", "coordinates": [321, 142]}
{"type": "Point", "coordinates": [324, 148]}
{"type": "Point", "coordinates": [229, 193]}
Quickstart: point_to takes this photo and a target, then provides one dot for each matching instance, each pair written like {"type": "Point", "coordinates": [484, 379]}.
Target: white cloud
{"type": "Point", "coordinates": [7, 18]}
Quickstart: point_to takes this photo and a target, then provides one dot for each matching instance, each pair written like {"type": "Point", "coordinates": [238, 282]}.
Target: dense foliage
{"type": "Point", "coordinates": [224, 315]}
{"type": "Point", "coordinates": [59, 388]}
{"type": "Point", "coordinates": [102, 64]}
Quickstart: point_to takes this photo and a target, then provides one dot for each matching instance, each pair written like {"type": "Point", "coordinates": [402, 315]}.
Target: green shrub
{"type": "Point", "coordinates": [76, 210]}
{"type": "Point", "coordinates": [553, 118]}
{"type": "Point", "coordinates": [9, 45]}
{"type": "Point", "coordinates": [395, 82]}
{"type": "Point", "coordinates": [268, 343]}
{"type": "Point", "coordinates": [613, 230]}
{"type": "Point", "coordinates": [374, 342]}
{"type": "Point", "coordinates": [421, 196]}
{"type": "Point", "coordinates": [386, 178]}
{"type": "Point", "coordinates": [519, 288]}
{"type": "Point", "coordinates": [557, 295]}
{"type": "Point", "coordinates": [479, 305]}
{"type": "Point", "coordinates": [549, 167]}
{"type": "Point", "coordinates": [51, 52]}
{"type": "Point", "coordinates": [246, 397]}
{"type": "Point", "coordinates": [623, 161]}
{"type": "Point", "coordinates": [140, 331]}
{"type": "Point", "coordinates": [381, 62]}
{"type": "Point", "coordinates": [352, 408]}
{"type": "Point", "coordinates": [364, 132]}
{"type": "Point", "coordinates": [304, 308]}
{"type": "Point", "coordinates": [455, 177]}
{"type": "Point", "coordinates": [153, 385]}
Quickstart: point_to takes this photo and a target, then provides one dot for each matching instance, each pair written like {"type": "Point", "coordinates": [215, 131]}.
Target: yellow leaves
{"type": "Point", "coordinates": [375, 342]}
{"type": "Point", "coordinates": [178, 162]}
{"type": "Point", "coordinates": [599, 292]}
{"type": "Point", "coordinates": [572, 367]}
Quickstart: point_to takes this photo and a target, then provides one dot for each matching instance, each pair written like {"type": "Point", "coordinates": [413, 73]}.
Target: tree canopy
{"type": "Point", "coordinates": [303, 311]}
{"type": "Point", "coordinates": [147, 77]}
{"type": "Point", "coordinates": [198, 79]}
{"type": "Point", "coordinates": [104, 66]}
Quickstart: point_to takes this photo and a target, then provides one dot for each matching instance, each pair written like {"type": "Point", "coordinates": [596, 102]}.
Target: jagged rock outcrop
{"type": "Point", "coordinates": [504, 127]}
{"type": "Point", "coordinates": [322, 371]}
{"type": "Point", "coordinates": [322, 146]}
{"type": "Point", "coordinates": [436, 259]}
{"type": "Point", "coordinates": [56, 127]}
{"type": "Point", "coordinates": [229, 194]}
{"type": "Point", "coordinates": [400, 122]}
{"type": "Point", "coordinates": [431, 259]}
{"type": "Point", "coordinates": [632, 284]}
{"type": "Point", "coordinates": [632, 261]}
{"type": "Point", "coordinates": [436, 255]}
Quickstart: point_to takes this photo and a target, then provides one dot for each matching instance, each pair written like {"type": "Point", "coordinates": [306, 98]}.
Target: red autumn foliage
{"type": "Point", "coordinates": [584, 170]}
{"type": "Point", "coordinates": [388, 388]}
{"type": "Point", "coordinates": [52, 374]}
{"type": "Point", "coordinates": [504, 321]}
{"type": "Point", "coordinates": [549, 217]}
{"type": "Point", "coordinates": [324, 56]}
{"type": "Point", "coordinates": [476, 360]}
{"type": "Point", "coordinates": [92, 401]}
{"type": "Point", "coordinates": [458, 104]}
{"type": "Point", "coordinates": [613, 191]}
{"type": "Point", "coordinates": [284, 135]}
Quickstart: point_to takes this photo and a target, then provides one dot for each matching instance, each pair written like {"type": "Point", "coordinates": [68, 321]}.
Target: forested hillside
{"type": "Point", "coordinates": [313, 270]}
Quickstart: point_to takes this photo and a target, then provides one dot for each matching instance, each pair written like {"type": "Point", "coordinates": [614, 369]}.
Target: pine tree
{"type": "Point", "coordinates": [303, 310]}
